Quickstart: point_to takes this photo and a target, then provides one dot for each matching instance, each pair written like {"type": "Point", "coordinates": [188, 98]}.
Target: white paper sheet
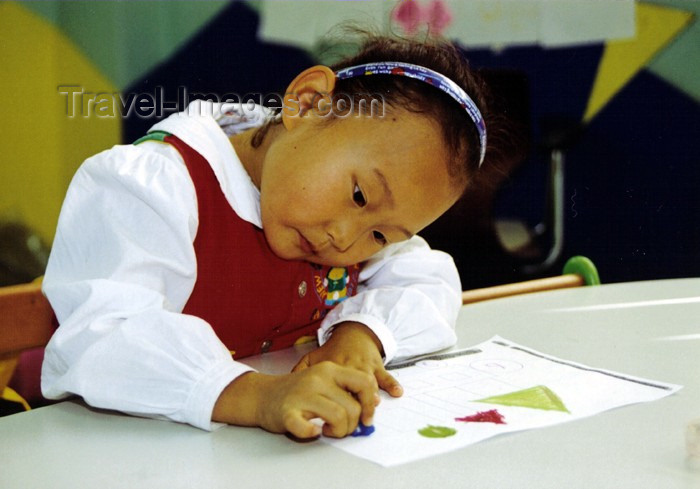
{"type": "Point", "coordinates": [527, 388]}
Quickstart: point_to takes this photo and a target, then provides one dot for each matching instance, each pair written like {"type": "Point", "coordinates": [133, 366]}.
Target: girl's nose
{"type": "Point", "coordinates": [343, 234]}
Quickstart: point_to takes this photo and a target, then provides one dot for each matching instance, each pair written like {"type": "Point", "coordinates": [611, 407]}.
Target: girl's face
{"type": "Point", "coordinates": [337, 193]}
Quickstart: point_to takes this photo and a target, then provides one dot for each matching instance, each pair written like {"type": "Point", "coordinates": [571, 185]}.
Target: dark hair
{"type": "Point", "coordinates": [459, 132]}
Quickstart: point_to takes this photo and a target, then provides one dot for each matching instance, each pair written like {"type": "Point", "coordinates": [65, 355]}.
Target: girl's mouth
{"type": "Point", "coordinates": [306, 245]}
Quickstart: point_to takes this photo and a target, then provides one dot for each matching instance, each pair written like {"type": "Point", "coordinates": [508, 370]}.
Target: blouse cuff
{"type": "Point", "coordinates": [200, 404]}
{"type": "Point", "coordinates": [377, 326]}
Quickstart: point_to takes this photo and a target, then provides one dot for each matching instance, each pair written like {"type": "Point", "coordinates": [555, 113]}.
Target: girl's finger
{"type": "Point", "coordinates": [364, 387]}
{"type": "Point", "coordinates": [388, 383]}
{"type": "Point", "coordinates": [339, 411]}
{"type": "Point", "coordinates": [302, 364]}
{"type": "Point", "coordinates": [301, 427]}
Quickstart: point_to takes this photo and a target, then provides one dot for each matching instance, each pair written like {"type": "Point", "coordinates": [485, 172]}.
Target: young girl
{"type": "Point", "coordinates": [228, 233]}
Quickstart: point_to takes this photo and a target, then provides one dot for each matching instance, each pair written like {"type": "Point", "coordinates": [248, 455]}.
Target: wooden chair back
{"type": "Point", "coordinates": [26, 322]}
{"type": "Point", "coordinates": [578, 271]}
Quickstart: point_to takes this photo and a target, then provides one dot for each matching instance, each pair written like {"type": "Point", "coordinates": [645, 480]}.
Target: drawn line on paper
{"type": "Point", "coordinates": [439, 356]}
{"type": "Point", "coordinates": [587, 369]}
{"type": "Point", "coordinates": [538, 397]}
{"type": "Point", "coordinates": [496, 366]}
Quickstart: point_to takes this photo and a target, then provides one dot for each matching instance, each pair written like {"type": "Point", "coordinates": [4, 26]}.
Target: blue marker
{"type": "Point", "coordinates": [362, 430]}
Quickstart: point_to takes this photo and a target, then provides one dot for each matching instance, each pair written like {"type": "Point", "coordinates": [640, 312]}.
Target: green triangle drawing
{"type": "Point", "coordinates": [538, 397]}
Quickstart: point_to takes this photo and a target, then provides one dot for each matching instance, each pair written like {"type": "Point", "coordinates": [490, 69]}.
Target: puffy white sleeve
{"type": "Point", "coordinates": [121, 269]}
{"type": "Point", "coordinates": [409, 295]}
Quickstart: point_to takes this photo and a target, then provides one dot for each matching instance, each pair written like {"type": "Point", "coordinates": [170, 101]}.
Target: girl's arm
{"type": "Point", "coordinates": [121, 268]}
{"type": "Point", "coordinates": [337, 394]}
{"type": "Point", "coordinates": [409, 297]}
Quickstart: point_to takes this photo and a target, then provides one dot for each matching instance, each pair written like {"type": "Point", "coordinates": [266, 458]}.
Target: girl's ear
{"type": "Point", "coordinates": [310, 90]}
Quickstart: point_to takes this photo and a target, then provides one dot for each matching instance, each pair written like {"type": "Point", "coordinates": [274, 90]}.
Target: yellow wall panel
{"type": "Point", "coordinates": [40, 145]}
{"type": "Point", "coordinates": [622, 59]}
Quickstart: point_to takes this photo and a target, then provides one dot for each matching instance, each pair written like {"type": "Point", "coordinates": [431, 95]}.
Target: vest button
{"type": "Point", "coordinates": [302, 288]}
{"type": "Point", "coordinates": [265, 347]}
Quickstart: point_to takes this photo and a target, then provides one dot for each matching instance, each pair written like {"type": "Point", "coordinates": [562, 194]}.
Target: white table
{"type": "Point", "coordinates": [649, 329]}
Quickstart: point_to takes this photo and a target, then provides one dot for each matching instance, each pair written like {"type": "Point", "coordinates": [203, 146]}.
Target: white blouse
{"type": "Point", "coordinates": [122, 268]}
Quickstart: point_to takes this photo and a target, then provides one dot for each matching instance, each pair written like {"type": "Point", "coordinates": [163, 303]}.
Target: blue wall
{"type": "Point", "coordinates": [633, 177]}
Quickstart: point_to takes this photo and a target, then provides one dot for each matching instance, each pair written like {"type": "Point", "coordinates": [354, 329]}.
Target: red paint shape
{"type": "Point", "coordinates": [492, 416]}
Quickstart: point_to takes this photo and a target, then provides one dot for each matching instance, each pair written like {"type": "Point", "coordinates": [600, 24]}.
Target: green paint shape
{"type": "Point", "coordinates": [538, 397]}
{"type": "Point", "coordinates": [431, 431]}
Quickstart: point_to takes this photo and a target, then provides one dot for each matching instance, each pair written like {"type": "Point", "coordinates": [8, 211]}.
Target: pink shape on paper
{"type": "Point", "coordinates": [491, 416]}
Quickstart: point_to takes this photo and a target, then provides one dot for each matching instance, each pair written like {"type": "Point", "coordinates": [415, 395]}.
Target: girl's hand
{"type": "Point", "coordinates": [339, 395]}
{"type": "Point", "coordinates": [354, 345]}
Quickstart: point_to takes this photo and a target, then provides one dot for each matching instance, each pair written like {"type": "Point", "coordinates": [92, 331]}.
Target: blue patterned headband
{"type": "Point", "coordinates": [428, 76]}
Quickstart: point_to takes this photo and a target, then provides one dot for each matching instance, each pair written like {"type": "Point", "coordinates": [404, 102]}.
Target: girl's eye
{"type": "Point", "coordinates": [358, 196]}
{"type": "Point", "coordinates": [379, 238]}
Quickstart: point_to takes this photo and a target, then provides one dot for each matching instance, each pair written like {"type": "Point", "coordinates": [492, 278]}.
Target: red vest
{"type": "Point", "coordinates": [254, 300]}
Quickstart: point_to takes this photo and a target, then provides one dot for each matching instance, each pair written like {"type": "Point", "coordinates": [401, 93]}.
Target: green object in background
{"type": "Point", "coordinates": [125, 40]}
{"type": "Point", "coordinates": [580, 265]}
{"type": "Point", "coordinates": [679, 63]}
